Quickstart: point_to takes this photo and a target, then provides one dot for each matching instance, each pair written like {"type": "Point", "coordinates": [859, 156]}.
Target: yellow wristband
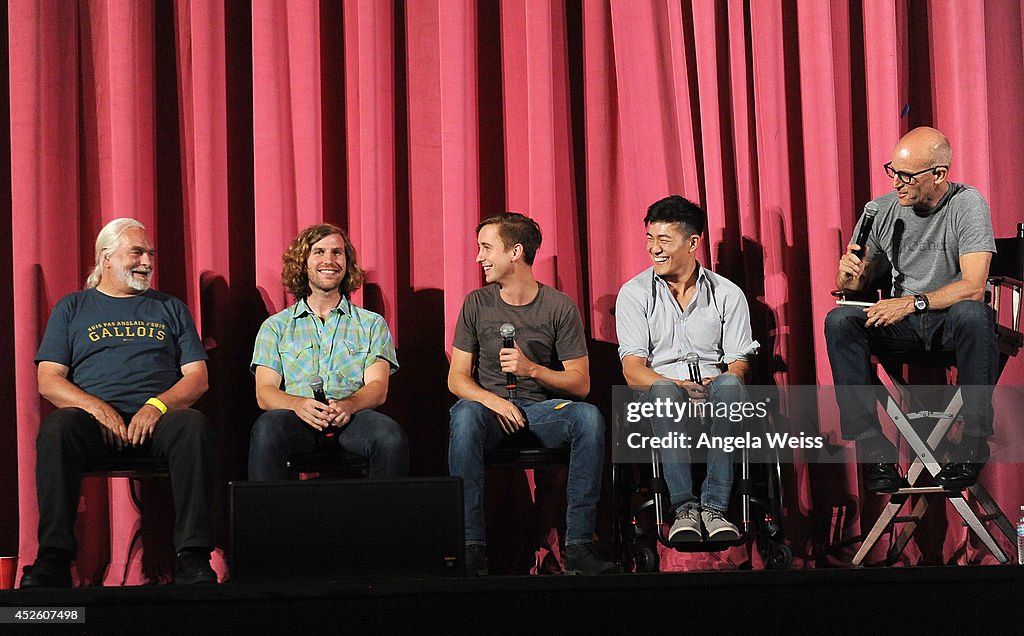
{"type": "Point", "coordinates": [158, 404]}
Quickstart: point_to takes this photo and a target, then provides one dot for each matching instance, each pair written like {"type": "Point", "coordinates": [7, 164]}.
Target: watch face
{"type": "Point", "coordinates": [920, 304]}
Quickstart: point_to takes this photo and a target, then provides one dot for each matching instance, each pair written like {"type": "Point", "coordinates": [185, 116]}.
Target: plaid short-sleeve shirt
{"type": "Point", "coordinates": [297, 345]}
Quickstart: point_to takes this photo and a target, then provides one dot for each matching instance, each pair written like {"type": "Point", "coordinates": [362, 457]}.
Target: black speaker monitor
{"type": "Point", "coordinates": [354, 529]}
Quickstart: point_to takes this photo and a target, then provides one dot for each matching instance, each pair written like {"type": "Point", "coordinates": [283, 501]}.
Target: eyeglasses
{"type": "Point", "coordinates": [908, 177]}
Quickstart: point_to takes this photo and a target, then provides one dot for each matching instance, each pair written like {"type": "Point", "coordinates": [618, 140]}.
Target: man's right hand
{"type": "Point", "coordinates": [510, 418]}
{"type": "Point", "coordinates": [851, 268]}
{"type": "Point", "coordinates": [314, 413]}
{"type": "Point", "coordinates": [112, 426]}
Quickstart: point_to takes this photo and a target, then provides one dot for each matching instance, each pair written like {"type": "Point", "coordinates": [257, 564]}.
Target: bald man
{"type": "Point", "coordinates": [936, 235]}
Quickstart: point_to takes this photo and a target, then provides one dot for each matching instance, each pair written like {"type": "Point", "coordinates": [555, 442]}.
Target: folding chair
{"type": "Point", "coordinates": [930, 453]}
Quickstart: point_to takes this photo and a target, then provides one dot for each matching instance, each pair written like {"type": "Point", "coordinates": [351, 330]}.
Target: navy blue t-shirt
{"type": "Point", "coordinates": [121, 350]}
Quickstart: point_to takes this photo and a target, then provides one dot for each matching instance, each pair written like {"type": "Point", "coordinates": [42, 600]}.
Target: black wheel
{"type": "Point", "coordinates": [646, 560]}
{"type": "Point", "coordinates": [780, 557]}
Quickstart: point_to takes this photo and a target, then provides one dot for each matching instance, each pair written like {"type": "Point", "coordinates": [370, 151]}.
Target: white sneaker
{"type": "Point", "coordinates": [686, 528]}
{"type": "Point", "coordinates": [718, 527]}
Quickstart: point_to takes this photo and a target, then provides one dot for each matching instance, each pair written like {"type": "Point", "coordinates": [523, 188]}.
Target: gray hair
{"type": "Point", "coordinates": [107, 241]}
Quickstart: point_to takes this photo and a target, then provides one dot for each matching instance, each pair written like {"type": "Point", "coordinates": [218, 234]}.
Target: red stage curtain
{"type": "Point", "coordinates": [226, 127]}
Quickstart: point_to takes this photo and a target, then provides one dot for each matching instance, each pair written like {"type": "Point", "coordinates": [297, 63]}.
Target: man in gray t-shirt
{"type": "Point", "coordinates": [547, 359]}
{"type": "Point", "coordinates": [936, 238]}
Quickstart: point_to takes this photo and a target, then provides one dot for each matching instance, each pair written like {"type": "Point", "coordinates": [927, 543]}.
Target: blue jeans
{"type": "Point", "coordinates": [676, 465]}
{"type": "Point", "coordinates": [475, 428]}
{"type": "Point", "coordinates": [280, 433]}
{"type": "Point", "coordinates": [966, 329]}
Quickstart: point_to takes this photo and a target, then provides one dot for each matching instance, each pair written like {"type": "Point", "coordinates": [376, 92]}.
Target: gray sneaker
{"type": "Point", "coordinates": [718, 527]}
{"type": "Point", "coordinates": [686, 529]}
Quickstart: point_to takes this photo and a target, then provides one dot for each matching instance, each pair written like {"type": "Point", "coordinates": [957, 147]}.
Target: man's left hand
{"type": "Point", "coordinates": [889, 311]}
{"type": "Point", "coordinates": [140, 429]}
{"type": "Point", "coordinates": [342, 413]}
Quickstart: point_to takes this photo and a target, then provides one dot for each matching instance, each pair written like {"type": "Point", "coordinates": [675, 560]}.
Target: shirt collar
{"type": "Point", "coordinates": [301, 308]}
{"type": "Point", "coordinates": [702, 277]}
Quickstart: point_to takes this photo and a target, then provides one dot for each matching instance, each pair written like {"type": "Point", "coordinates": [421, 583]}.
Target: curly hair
{"type": "Point", "coordinates": [293, 274]}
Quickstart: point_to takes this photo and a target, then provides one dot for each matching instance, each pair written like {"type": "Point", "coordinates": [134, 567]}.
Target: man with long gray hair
{"type": "Point", "coordinates": [123, 364]}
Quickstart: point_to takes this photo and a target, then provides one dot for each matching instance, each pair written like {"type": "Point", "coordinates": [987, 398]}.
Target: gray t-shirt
{"type": "Point", "coordinates": [924, 248]}
{"type": "Point", "coordinates": [549, 330]}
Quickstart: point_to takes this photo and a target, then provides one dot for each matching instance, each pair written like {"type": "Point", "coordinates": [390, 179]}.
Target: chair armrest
{"type": "Point", "coordinates": [1009, 337]}
{"type": "Point", "coordinates": [1005, 281]}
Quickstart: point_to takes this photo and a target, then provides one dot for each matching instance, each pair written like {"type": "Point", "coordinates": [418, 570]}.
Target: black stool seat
{"type": "Point", "coordinates": [130, 465]}
{"type": "Point", "coordinates": [510, 457]}
{"type": "Point", "coordinates": [328, 460]}
{"type": "Point", "coordinates": [524, 450]}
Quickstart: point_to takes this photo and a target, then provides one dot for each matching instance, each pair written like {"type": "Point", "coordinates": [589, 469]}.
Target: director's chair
{"type": "Point", "coordinates": [974, 504]}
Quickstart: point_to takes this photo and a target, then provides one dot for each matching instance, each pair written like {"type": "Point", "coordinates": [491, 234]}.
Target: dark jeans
{"type": "Point", "coordinates": [966, 329]}
{"type": "Point", "coordinates": [475, 428]}
{"type": "Point", "coordinates": [280, 433]}
{"type": "Point", "coordinates": [70, 443]}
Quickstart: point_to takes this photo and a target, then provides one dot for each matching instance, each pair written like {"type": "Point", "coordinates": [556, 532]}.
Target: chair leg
{"type": "Point", "coordinates": [992, 511]}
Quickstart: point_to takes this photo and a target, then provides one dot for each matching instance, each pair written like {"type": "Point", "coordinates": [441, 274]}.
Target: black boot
{"type": "Point", "coordinates": [968, 460]}
{"type": "Point", "coordinates": [51, 569]}
{"type": "Point", "coordinates": [878, 457]}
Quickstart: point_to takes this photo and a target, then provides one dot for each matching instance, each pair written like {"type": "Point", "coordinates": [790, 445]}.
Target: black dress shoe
{"type": "Point", "coordinates": [476, 560]}
{"type": "Point", "coordinates": [51, 569]}
{"type": "Point", "coordinates": [882, 477]}
{"type": "Point", "coordinates": [192, 567]}
{"type": "Point", "coordinates": [963, 473]}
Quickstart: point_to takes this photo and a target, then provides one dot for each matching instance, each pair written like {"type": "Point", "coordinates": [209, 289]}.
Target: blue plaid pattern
{"type": "Point", "coordinates": [297, 345]}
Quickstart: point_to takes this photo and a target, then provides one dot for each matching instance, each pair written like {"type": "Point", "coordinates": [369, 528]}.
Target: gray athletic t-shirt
{"type": "Point", "coordinates": [548, 330]}
{"type": "Point", "coordinates": [924, 248]}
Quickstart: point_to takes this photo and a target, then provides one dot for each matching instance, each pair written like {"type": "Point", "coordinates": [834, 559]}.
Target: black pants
{"type": "Point", "coordinates": [70, 443]}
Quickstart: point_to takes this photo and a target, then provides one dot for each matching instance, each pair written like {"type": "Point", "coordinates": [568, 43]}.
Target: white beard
{"type": "Point", "coordinates": [128, 279]}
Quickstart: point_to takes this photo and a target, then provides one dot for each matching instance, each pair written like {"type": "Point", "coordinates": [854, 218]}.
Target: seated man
{"type": "Point", "coordinates": [673, 309]}
{"type": "Point", "coordinates": [349, 349]}
{"type": "Point", "coordinates": [937, 237]}
{"type": "Point", "coordinates": [120, 352]}
{"type": "Point", "coordinates": [549, 359]}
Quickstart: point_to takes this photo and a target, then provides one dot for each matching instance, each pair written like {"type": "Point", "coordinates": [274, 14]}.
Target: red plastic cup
{"type": "Point", "coordinates": [8, 572]}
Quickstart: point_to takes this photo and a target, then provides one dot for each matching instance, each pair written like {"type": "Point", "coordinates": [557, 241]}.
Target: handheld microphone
{"type": "Point", "coordinates": [508, 334]}
{"type": "Point", "coordinates": [870, 210]}
{"type": "Point", "coordinates": [317, 384]}
{"type": "Point", "coordinates": [692, 361]}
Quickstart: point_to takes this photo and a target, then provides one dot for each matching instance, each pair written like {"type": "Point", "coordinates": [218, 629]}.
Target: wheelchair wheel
{"type": "Point", "coordinates": [646, 560]}
{"type": "Point", "coordinates": [780, 557]}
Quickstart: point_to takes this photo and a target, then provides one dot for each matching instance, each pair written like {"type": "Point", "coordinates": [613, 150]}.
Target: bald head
{"type": "Point", "coordinates": [923, 147]}
{"type": "Point", "coordinates": [918, 168]}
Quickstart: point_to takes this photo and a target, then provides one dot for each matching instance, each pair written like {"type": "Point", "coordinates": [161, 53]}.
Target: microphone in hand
{"type": "Point", "coordinates": [870, 210]}
{"type": "Point", "coordinates": [692, 361]}
{"type": "Point", "coordinates": [316, 383]}
{"type": "Point", "coordinates": [508, 335]}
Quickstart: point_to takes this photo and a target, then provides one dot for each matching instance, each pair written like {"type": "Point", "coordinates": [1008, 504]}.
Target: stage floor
{"type": "Point", "coordinates": [939, 599]}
